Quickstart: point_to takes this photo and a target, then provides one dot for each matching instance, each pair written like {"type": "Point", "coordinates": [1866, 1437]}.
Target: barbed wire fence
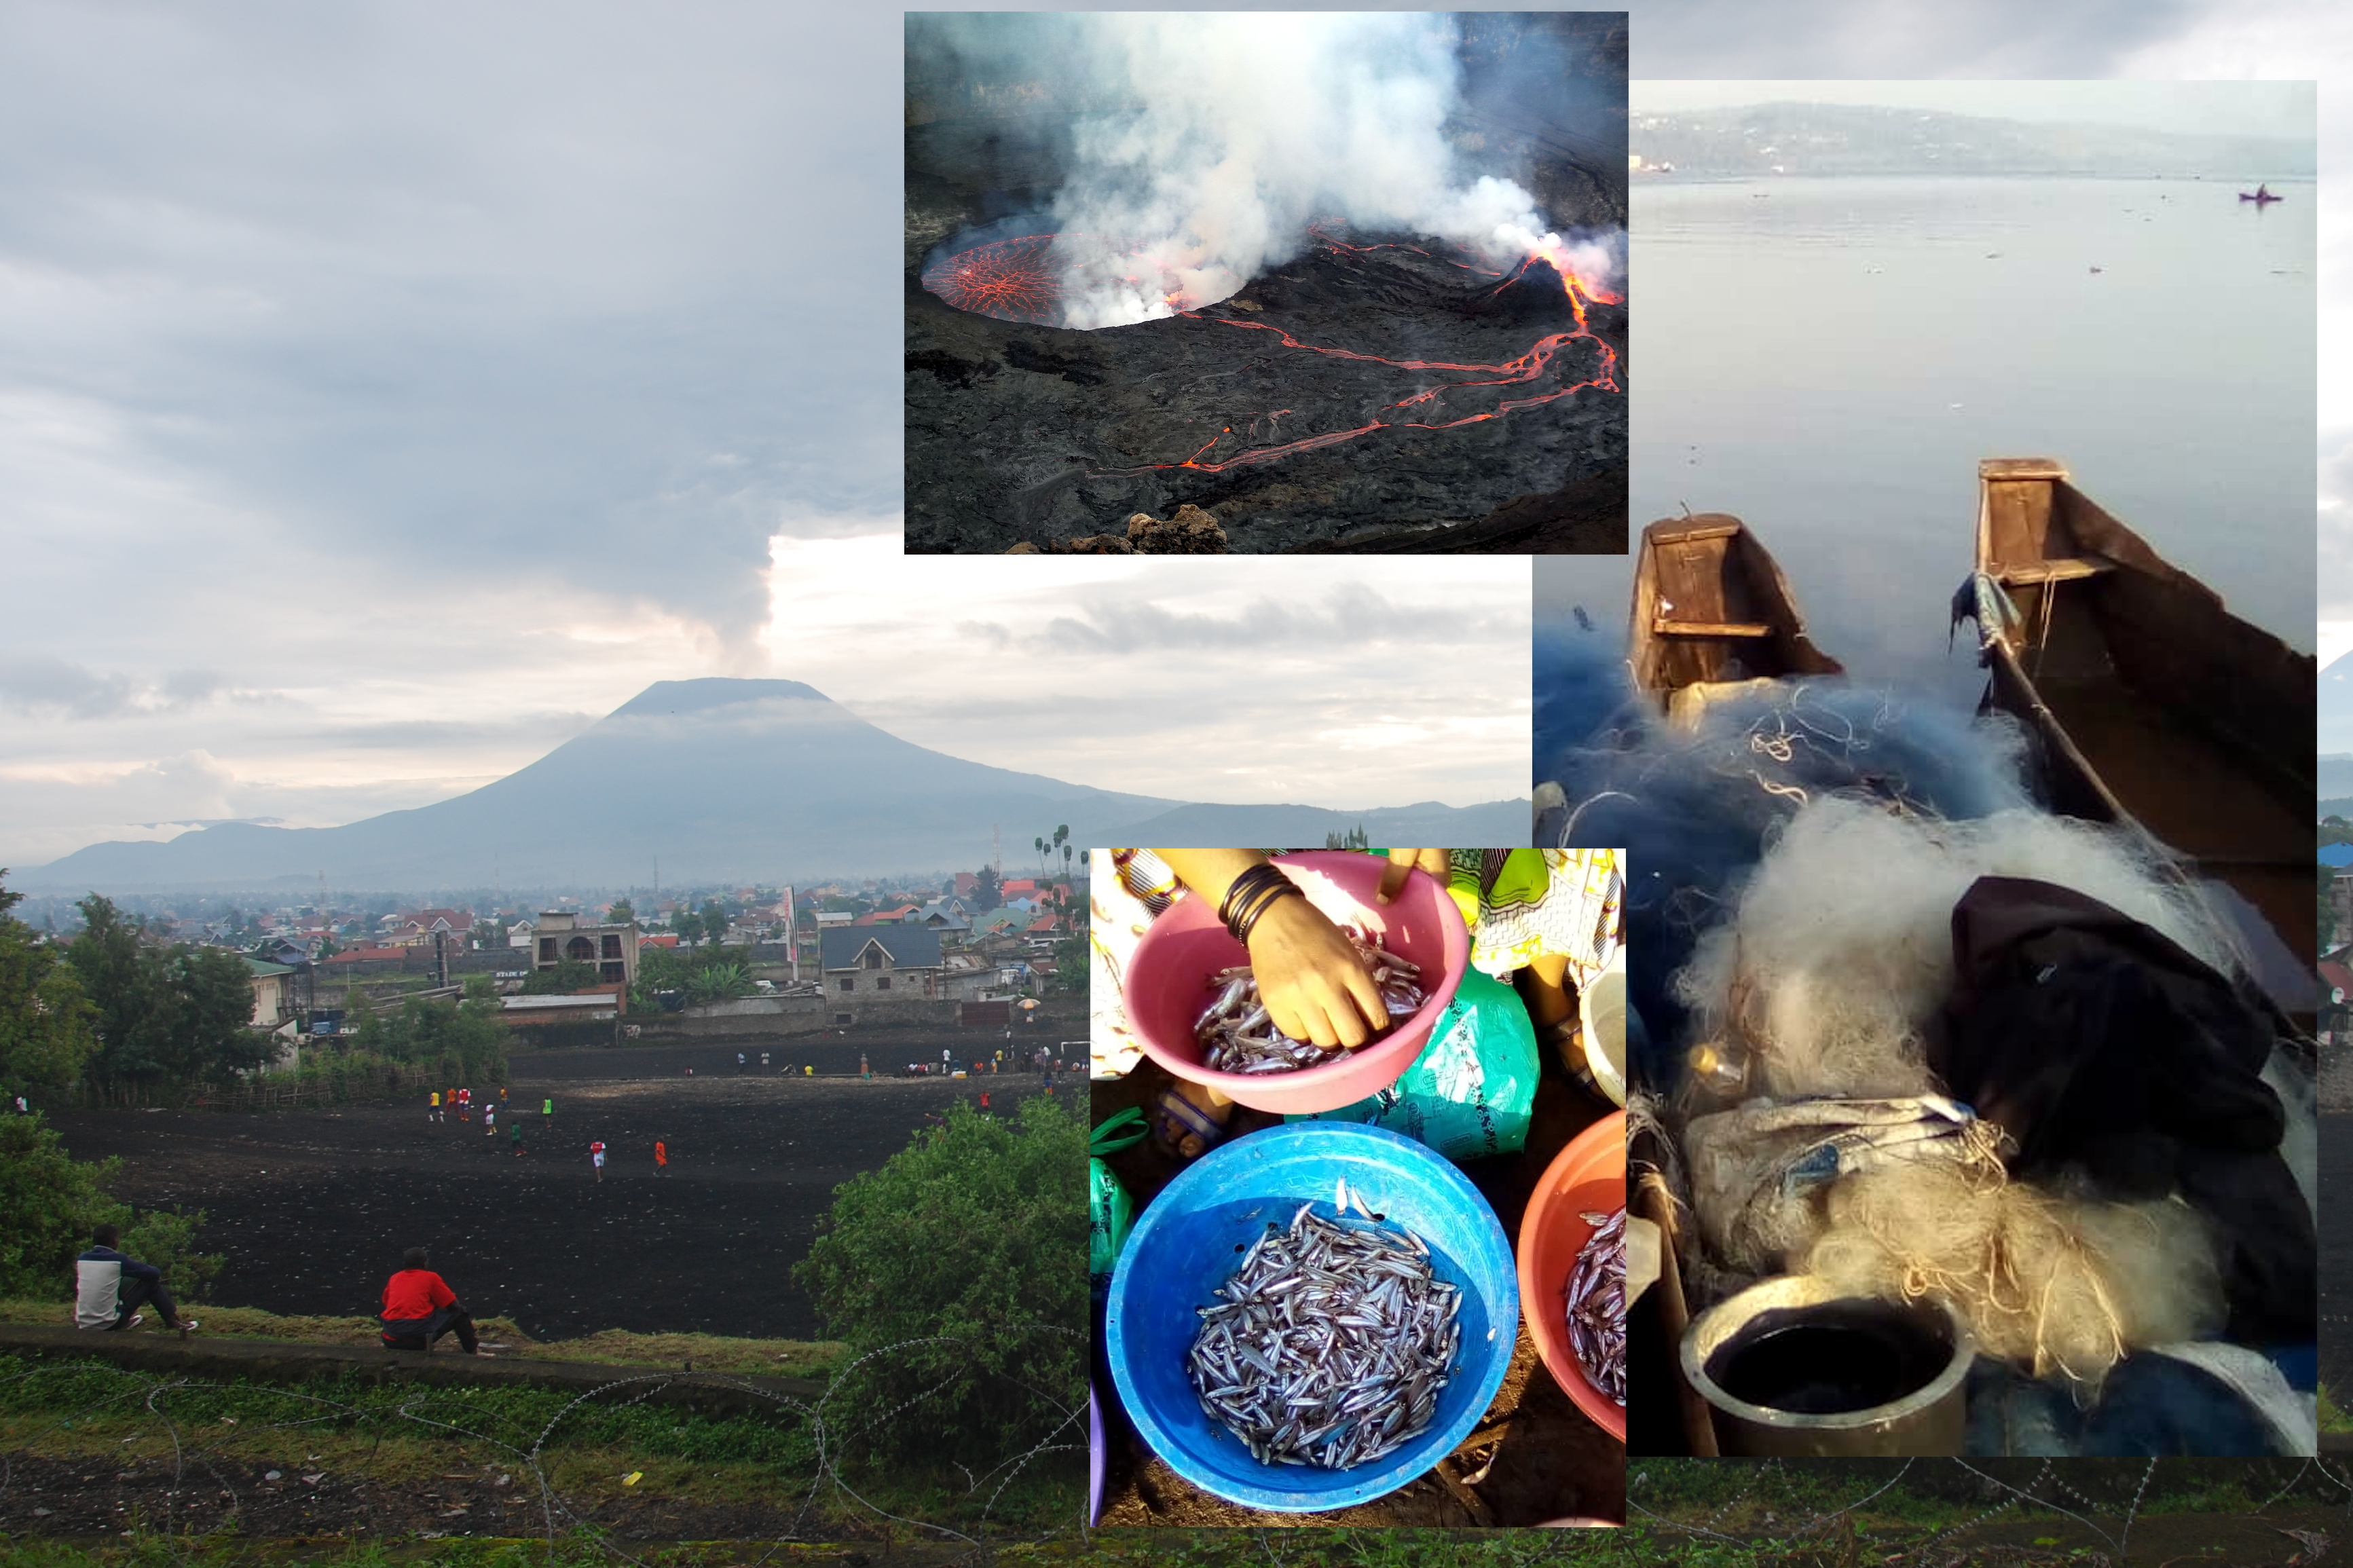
{"type": "Point", "coordinates": [183, 1404]}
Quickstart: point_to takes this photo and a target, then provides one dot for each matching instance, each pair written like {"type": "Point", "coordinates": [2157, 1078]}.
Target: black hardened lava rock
{"type": "Point", "coordinates": [1023, 433]}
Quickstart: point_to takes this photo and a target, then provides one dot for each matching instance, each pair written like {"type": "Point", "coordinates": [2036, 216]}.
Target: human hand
{"type": "Point", "coordinates": [1310, 978]}
{"type": "Point", "coordinates": [1402, 861]}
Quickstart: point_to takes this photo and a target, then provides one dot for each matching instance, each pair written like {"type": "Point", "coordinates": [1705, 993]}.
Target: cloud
{"type": "Point", "coordinates": [35, 682]}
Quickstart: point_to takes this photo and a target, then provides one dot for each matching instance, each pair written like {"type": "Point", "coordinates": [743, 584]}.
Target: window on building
{"type": "Point", "coordinates": [611, 971]}
{"type": "Point", "coordinates": [580, 948]}
{"type": "Point", "coordinates": [882, 984]}
{"type": "Point", "coordinates": [547, 950]}
{"type": "Point", "coordinates": [844, 1019]}
{"type": "Point", "coordinates": [612, 947]}
{"type": "Point", "coordinates": [849, 984]}
{"type": "Point", "coordinates": [873, 961]}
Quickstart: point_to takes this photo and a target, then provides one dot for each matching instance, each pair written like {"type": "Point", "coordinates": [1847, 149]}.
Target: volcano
{"type": "Point", "coordinates": [1375, 391]}
{"type": "Point", "coordinates": [724, 780]}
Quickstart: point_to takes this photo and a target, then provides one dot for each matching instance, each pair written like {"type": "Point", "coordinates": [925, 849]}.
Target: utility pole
{"type": "Point", "coordinates": [996, 852]}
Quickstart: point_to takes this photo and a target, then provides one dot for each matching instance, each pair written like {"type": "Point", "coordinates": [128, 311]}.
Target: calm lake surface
{"type": "Point", "coordinates": [1829, 359]}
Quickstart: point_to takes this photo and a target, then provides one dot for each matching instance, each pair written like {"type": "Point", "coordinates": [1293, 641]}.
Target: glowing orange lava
{"type": "Point", "coordinates": [1524, 369]}
{"type": "Point", "coordinates": [1012, 279]}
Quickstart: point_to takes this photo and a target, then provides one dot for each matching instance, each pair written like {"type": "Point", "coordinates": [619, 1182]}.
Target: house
{"type": "Point", "coordinates": [273, 992]}
{"type": "Point", "coordinates": [830, 918]}
{"type": "Point", "coordinates": [995, 920]}
{"type": "Point", "coordinates": [659, 939]}
{"type": "Point", "coordinates": [353, 957]}
{"type": "Point", "coordinates": [561, 936]}
{"type": "Point", "coordinates": [902, 960]}
{"type": "Point", "coordinates": [519, 934]}
{"type": "Point", "coordinates": [419, 928]}
{"type": "Point", "coordinates": [1044, 925]}
{"type": "Point", "coordinates": [600, 1002]}
{"type": "Point", "coordinates": [967, 882]}
{"type": "Point", "coordinates": [945, 915]}
{"type": "Point", "coordinates": [284, 950]}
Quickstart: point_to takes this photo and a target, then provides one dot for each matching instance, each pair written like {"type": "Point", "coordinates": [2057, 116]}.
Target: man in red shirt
{"type": "Point", "coordinates": [419, 1308]}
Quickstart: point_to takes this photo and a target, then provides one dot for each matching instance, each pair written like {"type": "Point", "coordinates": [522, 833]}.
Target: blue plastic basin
{"type": "Point", "coordinates": [1191, 1238]}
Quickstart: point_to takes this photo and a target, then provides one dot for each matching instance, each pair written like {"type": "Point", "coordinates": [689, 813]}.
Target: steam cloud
{"type": "Point", "coordinates": [1246, 128]}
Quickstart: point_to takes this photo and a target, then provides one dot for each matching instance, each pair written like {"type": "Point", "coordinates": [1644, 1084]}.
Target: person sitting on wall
{"type": "Point", "coordinates": [110, 1287]}
{"type": "Point", "coordinates": [419, 1308]}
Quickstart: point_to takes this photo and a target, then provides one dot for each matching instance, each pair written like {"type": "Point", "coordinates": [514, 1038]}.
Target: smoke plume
{"type": "Point", "coordinates": [1237, 131]}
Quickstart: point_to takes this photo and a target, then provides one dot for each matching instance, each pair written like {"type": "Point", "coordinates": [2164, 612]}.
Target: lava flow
{"type": "Point", "coordinates": [1073, 281]}
{"type": "Point", "coordinates": [1012, 279]}
{"type": "Point", "coordinates": [1523, 369]}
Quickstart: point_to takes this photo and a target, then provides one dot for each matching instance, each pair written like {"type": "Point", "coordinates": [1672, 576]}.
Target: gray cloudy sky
{"type": "Point", "coordinates": [388, 389]}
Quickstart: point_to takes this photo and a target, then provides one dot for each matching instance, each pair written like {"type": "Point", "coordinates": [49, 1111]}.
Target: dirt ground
{"type": "Point", "coordinates": [1534, 1456]}
{"type": "Point", "coordinates": [52, 1497]}
{"type": "Point", "coordinates": [311, 1208]}
{"type": "Point", "coordinates": [2337, 1255]}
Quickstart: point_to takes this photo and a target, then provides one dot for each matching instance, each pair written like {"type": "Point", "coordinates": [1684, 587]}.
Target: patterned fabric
{"type": "Point", "coordinates": [1564, 903]}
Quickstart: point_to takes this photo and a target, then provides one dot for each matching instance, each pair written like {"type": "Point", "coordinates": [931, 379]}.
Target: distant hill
{"type": "Point", "coordinates": [1843, 139]}
{"type": "Point", "coordinates": [723, 780]}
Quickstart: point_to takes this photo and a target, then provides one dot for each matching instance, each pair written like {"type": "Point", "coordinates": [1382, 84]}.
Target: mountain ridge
{"type": "Point", "coordinates": [782, 783]}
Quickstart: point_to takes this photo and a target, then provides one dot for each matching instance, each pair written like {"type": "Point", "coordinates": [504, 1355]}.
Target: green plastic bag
{"type": "Point", "coordinates": [1111, 1213]}
{"type": "Point", "coordinates": [1468, 1094]}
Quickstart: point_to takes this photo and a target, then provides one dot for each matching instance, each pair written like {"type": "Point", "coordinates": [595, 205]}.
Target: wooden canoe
{"type": "Point", "coordinates": [1712, 607]}
{"type": "Point", "coordinates": [2151, 704]}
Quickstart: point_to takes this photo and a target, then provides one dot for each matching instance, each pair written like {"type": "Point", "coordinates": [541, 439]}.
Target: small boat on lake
{"type": "Point", "coordinates": [2150, 703]}
{"type": "Point", "coordinates": [2259, 196]}
{"type": "Point", "coordinates": [1712, 609]}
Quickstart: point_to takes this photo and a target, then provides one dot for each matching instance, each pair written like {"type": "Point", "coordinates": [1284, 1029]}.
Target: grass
{"type": "Point", "coordinates": [2332, 1417]}
{"type": "Point", "coordinates": [1630, 1548]}
{"type": "Point", "coordinates": [710, 1353]}
{"type": "Point", "coordinates": [763, 1462]}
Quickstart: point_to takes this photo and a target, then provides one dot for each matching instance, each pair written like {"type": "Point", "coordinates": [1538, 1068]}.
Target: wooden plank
{"type": "Point", "coordinates": [2065, 569]}
{"type": "Point", "coordinates": [1664, 627]}
{"type": "Point", "coordinates": [2022, 468]}
{"type": "Point", "coordinates": [1695, 534]}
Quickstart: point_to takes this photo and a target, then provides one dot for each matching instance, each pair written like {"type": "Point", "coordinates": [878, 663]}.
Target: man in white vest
{"type": "Point", "coordinates": [110, 1287]}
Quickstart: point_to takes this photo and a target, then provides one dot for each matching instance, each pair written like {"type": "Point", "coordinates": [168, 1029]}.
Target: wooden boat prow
{"type": "Point", "coordinates": [1713, 610]}
{"type": "Point", "coordinates": [2151, 703]}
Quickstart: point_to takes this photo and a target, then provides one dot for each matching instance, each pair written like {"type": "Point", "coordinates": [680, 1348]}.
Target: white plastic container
{"type": "Point", "coordinates": [1601, 1021]}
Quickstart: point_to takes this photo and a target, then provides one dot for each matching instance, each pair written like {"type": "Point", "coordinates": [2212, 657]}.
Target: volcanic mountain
{"type": "Point", "coordinates": [725, 780]}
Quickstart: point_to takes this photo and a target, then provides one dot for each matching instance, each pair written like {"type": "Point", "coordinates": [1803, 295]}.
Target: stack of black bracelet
{"type": "Point", "coordinates": [1248, 896]}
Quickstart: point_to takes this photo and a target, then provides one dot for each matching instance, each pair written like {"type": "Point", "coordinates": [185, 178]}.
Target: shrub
{"type": "Point", "coordinates": [962, 1260]}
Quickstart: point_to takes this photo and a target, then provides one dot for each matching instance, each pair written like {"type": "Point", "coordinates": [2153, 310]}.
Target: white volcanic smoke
{"type": "Point", "coordinates": [1248, 126]}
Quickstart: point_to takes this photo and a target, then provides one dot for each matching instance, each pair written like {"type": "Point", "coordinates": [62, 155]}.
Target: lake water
{"type": "Point", "coordinates": [1829, 359]}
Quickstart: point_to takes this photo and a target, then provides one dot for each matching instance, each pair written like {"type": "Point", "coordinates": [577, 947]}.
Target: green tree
{"type": "Point", "coordinates": [53, 1202]}
{"type": "Point", "coordinates": [571, 974]}
{"type": "Point", "coordinates": [687, 925]}
{"type": "Point", "coordinates": [1072, 964]}
{"type": "Point", "coordinates": [45, 1022]}
{"type": "Point", "coordinates": [714, 921]}
{"type": "Point", "coordinates": [953, 1269]}
{"type": "Point", "coordinates": [719, 982]}
{"type": "Point", "coordinates": [621, 913]}
{"type": "Point", "coordinates": [167, 1017]}
{"type": "Point", "coordinates": [989, 892]}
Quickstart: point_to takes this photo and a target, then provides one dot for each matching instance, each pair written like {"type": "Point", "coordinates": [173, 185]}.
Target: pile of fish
{"type": "Point", "coordinates": [1597, 1304]}
{"type": "Point", "coordinates": [1332, 1343]}
{"type": "Point", "coordinates": [1237, 1035]}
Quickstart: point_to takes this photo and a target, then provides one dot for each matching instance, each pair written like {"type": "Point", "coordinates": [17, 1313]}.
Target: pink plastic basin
{"type": "Point", "coordinates": [1169, 981]}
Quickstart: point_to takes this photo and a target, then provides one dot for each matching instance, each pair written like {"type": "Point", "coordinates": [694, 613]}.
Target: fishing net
{"type": "Point", "coordinates": [2063, 1284]}
{"type": "Point", "coordinates": [1694, 806]}
{"type": "Point", "coordinates": [1838, 952]}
